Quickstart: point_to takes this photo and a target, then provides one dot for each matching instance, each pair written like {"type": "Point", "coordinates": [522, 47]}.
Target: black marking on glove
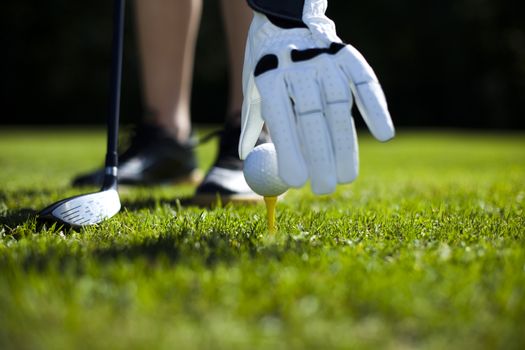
{"type": "Point", "coordinates": [265, 64]}
{"type": "Point", "coordinates": [308, 54]}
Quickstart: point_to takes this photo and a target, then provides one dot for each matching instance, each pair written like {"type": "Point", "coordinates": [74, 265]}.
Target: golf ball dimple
{"type": "Point", "coordinates": [261, 171]}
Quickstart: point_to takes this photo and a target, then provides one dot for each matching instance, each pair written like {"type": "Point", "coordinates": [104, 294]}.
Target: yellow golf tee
{"type": "Point", "coordinates": [270, 212]}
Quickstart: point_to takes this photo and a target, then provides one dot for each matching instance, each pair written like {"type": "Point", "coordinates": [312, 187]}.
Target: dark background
{"type": "Point", "coordinates": [446, 63]}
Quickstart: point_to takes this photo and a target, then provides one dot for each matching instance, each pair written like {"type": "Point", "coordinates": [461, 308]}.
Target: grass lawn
{"type": "Point", "coordinates": [425, 250]}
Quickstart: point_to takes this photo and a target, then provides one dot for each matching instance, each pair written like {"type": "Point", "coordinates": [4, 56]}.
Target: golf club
{"type": "Point", "coordinates": [92, 208]}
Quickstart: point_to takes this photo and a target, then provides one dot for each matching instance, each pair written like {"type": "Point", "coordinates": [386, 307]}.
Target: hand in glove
{"type": "Point", "coordinates": [300, 82]}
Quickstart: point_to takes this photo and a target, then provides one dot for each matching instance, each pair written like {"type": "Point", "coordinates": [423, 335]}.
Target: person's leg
{"type": "Point", "coordinates": [160, 151]}
{"type": "Point", "coordinates": [167, 33]}
{"type": "Point", "coordinates": [236, 17]}
{"type": "Point", "coordinates": [226, 178]}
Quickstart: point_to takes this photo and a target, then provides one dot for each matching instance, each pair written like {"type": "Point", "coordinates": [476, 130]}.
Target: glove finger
{"type": "Point", "coordinates": [369, 96]}
{"type": "Point", "coordinates": [313, 130]}
{"type": "Point", "coordinates": [251, 120]}
{"type": "Point", "coordinates": [277, 112]}
{"type": "Point", "coordinates": [338, 106]}
{"type": "Point", "coordinates": [344, 138]}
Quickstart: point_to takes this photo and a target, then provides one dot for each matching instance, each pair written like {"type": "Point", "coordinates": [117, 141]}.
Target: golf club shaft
{"type": "Point", "coordinates": [114, 105]}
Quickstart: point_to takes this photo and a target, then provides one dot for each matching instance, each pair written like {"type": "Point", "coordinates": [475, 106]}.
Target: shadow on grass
{"type": "Point", "coordinates": [179, 202]}
{"type": "Point", "coordinates": [210, 249]}
{"type": "Point", "coordinates": [169, 249]}
{"type": "Point", "coordinates": [18, 217]}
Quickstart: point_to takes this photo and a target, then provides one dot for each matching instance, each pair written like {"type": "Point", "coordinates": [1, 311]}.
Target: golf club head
{"type": "Point", "coordinates": [82, 210]}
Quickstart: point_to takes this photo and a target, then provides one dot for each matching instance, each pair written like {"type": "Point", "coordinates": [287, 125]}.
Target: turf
{"type": "Point", "coordinates": [425, 250]}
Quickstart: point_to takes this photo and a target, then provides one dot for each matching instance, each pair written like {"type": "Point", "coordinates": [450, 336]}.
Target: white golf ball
{"type": "Point", "coordinates": [261, 171]}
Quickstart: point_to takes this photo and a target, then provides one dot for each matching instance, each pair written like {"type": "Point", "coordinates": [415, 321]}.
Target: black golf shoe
{"type": "Point", "coordinates": [154, 157]}
{"type": "Point", "coordinates": [225, 181]}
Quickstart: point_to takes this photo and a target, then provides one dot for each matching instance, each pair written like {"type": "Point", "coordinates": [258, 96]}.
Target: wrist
{"type": "Point", "coordinates": [289, 10]}
{"type": "Point", "coordinates": [284, 23]}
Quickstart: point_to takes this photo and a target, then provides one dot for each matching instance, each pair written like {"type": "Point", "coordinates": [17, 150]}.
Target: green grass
{"type": "Point", "coordinates": [425, 250]}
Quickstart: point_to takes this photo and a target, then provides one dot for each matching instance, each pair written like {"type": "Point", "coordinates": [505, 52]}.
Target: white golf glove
{"type": "Point", "coordinates": [300, 83]}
